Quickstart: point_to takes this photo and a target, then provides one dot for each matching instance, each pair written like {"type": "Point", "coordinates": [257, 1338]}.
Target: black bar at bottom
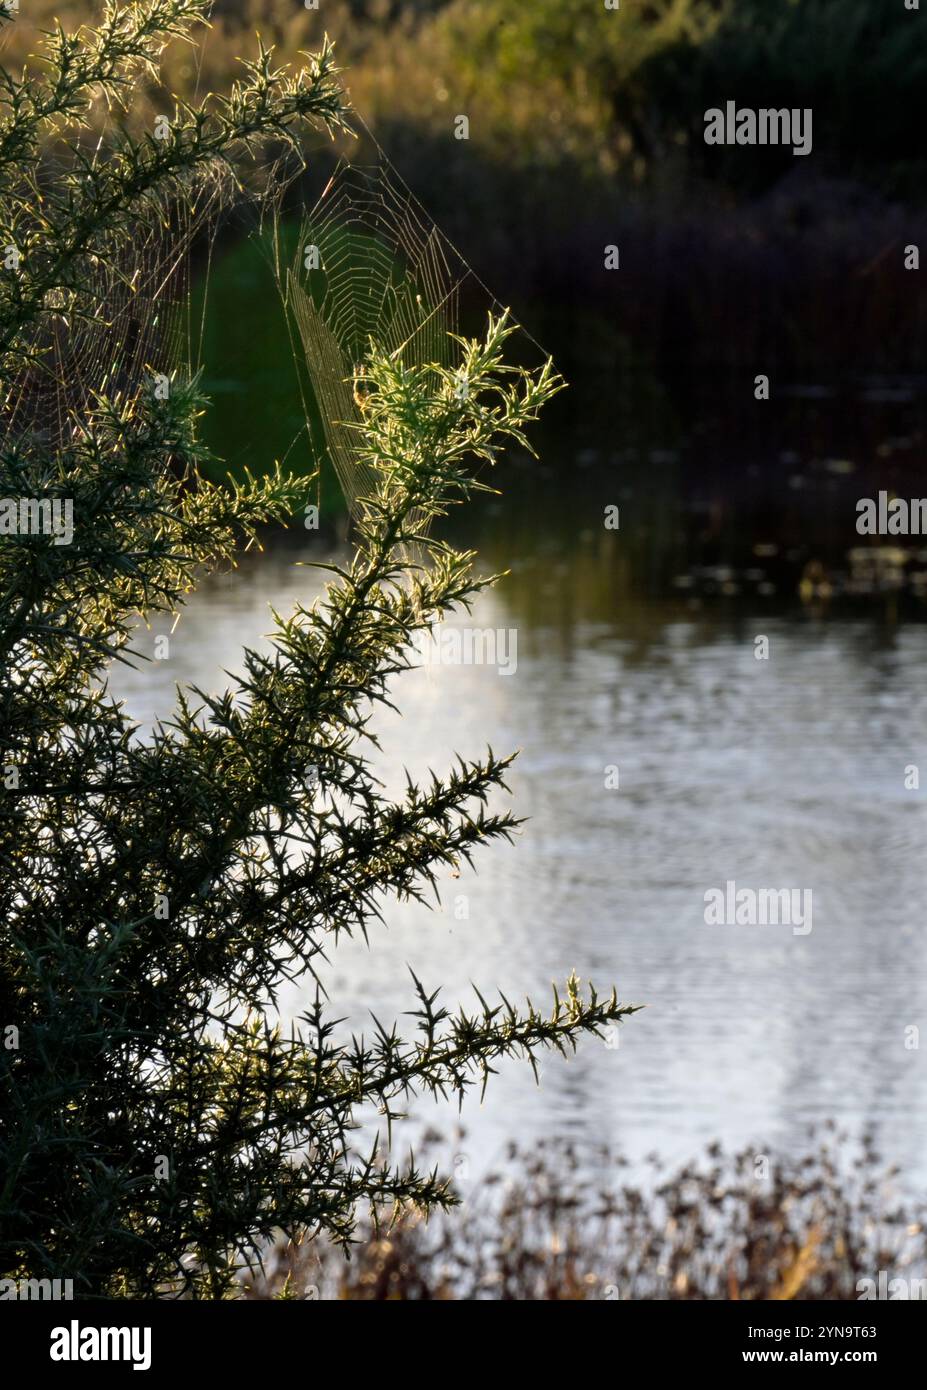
{"type": "Point", "coordinates": [163, 1340]}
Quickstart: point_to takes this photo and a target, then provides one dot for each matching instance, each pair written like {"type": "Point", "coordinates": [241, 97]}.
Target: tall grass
{"type": "Point", "coordinates": [554, 1226]}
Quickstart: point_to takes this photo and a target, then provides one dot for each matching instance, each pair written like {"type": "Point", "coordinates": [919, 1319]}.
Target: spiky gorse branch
{"type": "Point", "coordinates": [158, 1126]}
{"type": "Point", "coordinates": [61, 229]}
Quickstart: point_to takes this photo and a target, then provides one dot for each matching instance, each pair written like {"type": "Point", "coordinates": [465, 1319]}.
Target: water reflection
{"type": "Point", "coordinates": [789, 771]}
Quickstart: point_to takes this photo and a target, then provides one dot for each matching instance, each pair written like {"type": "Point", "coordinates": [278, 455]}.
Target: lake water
{"type": "Point", "coordinates": [786, 772]}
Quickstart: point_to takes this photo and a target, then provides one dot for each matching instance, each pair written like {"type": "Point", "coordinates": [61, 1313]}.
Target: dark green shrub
{"type": "Point", "coordinates": [157, 1126]}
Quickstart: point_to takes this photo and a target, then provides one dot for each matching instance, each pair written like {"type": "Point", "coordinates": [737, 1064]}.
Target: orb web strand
{"type": "Point", "coordinates": [370, 265]}
{"type": "Point", "coordinates": [367, 268]}
{"type": "Point", "coordinates": [131, 325]}
{"type": "Point", "coordinates": [417, 209]}
{"type": "Point", "coordinates": [129, 319]}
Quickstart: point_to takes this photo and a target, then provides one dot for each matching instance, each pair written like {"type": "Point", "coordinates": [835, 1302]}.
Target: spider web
{"type": "Point", "coordinates": [134, 324]}
{"type": "Point", "coordinates": [385, 273]}
{"type": "Point", "coordinates": [371, 264]}
{"type": "Point", "coordinates": [132, 319]}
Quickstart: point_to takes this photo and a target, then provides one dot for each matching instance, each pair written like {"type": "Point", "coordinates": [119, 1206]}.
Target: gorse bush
{"type": "Point", "coordinates": [158, 1126]}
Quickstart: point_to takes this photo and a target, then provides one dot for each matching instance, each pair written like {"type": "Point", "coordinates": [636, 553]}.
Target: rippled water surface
{"type": "Point", "coordinates": [786, 772]}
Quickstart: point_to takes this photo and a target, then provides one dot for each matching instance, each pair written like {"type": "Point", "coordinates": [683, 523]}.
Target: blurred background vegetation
{"type": "Point", "coordinates": [585, 131]}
